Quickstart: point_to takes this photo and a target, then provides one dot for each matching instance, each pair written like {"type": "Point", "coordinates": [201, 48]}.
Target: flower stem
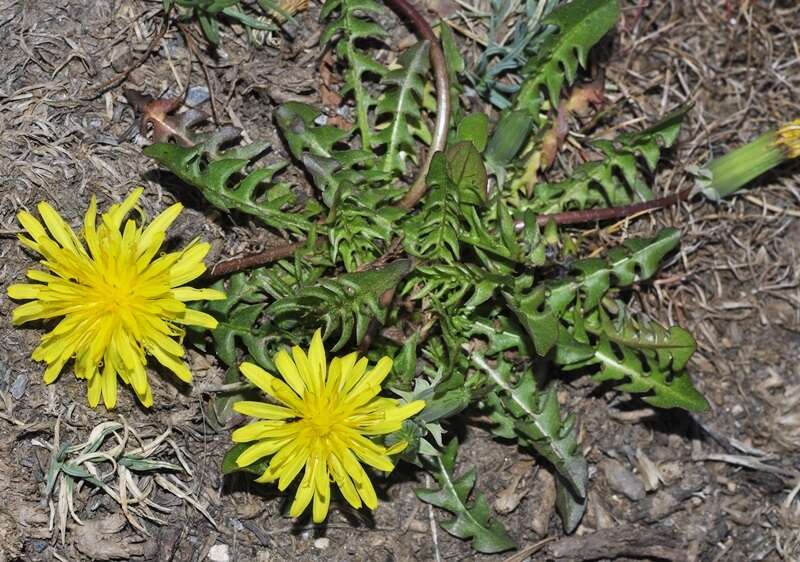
{"type": "Point", "coordinates": [439, 65]}
{"type": "Point", "coordinates": [726, 174]}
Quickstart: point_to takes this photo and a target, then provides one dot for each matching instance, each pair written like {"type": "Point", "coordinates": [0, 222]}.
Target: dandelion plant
{"type": "Point", "coordinates": [421, 236]}
{"type": "Point", "coordinates": [456, 279]}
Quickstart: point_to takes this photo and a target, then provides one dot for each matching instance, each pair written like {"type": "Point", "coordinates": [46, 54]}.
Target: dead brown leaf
{"type": "Point", "coordinates": [508, 499]}
{"type": "Point", "coordinates": [103, 539]}
{"type": "Point", "coordinates": [159, 116]}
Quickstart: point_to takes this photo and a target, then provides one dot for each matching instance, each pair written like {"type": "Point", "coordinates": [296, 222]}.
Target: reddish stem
{"type": "Point", "coordinates": [607, 213]}
{"type": "Point", "coordinates": [253, 260]}
{"type": "Point", "coordinates": [568, 217]}
{"type": "Point", "coordinates": [439, 65]}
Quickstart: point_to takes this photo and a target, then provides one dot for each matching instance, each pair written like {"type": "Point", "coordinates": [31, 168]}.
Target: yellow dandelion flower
{"type": "Point", "coordinates": [321, 424]}
{"type": "Point", "coordinates": [118, 299]}
{"type": "Point", "coordinates": [789, 138]}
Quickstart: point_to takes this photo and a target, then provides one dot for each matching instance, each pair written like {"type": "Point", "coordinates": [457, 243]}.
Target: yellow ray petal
{"type": "Point", "coordinates": [305, 492]}
{"type": "Point", "coordinates": [154, 338]}
{"type": "Point", "coordinates": [271, 386]}
{"type": "Point", "coordinates": [288, 371]}
{"type": "Point", "coordinates": [344, 482]}
{"type": "Point", "coordinates": [254, 431]}
{"type": "Point", "coordinates": [196, 318]}
{"type": "Point", "coordinates": [257, 376]}
{"type": "Point", "coordinates": [94, 388]}
{"type": "Point", "coordinates": [190, 264]}
{"type": "Point", "coordinates": [369, 453]}
{"type": "Point", "coordinates": [316, 361]}
{"type": "Point", "coordinates": [147, 398]}
{"type": "Point", "coordinates": [263, 411]}
{"type": "Point", "coordinates": [60, 230]}
{"type": "Point", "coordinates": [33, 226]}
{"type": "Point", "coordinates": [334, 376]}
{"type": "Point", "coordinates": [90, 230]}
{"type": "Point", "coordinates": [187, 294]}
{"type": "Point", "coordinates": [159, 225]}
{"type": "Point", "coordinates": [304, 368]}
{"type": "Point", "coordinates": [392, 418]}
{"type": "Point", "coordinates": [258, 451]}
{"type": "Point", "coordinates": [110, 388]}
{"type": "Point", "coordinates": [171, 362]}
{"type": "Point", "coordinates": [117, 213]}
{"type": "Point", "coordinates": [53, 370]}
{"type": "Point", "coordinates": [322, 493]}
{"type": "Point", "coordinates": [290, 470]}
{"type": "Point", "coordinates": [24, 291]}
{"type": "Point", "coordinates": [33, 310]}
{"type": "Point", "coordinates": [298, 447]}
{"type": "Point", "coordinates": [354, 374]}
{"type": "Point", "coordinates": [348, 361]}
{"type": "Point", "coordinates": [360, 479]}
{"type": "Point", "coordinates": [139, 379]}
{"type": "Point", "coordinates": [374, 377]}
{"type": "Point", "coordinates": [398, 447]}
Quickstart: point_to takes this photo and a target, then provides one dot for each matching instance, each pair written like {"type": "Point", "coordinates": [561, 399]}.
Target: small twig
{"type": "Point", "coordinates": [230, 387]}
{"type": "Point", "coordinates": [750, 462]}
{"type": "Point", "coordinates": [432, 521]}
{"type": "Point", "coordinates": [526, 552]}
{"type": "Point", "coordinates": [616, 542]}
{"type": "Point", "coordinates": [187, 36]}
{"type": "Point", "coordinates": [253, 260]}
{"type": "Point", "coordinates": [439, 64]}
{"type": "Point", "coordinates": [606, 213]}
{"type": "Point", "coordinates": [774, 208]}
{"type": "Point", "coordinates": [57, 556]}
{"type": "Point", "coordinates": [11, 419]}
{"type": "Point", "coordinates": [632, 416]}
{"type": "Point", "coordinates": [122, 76]}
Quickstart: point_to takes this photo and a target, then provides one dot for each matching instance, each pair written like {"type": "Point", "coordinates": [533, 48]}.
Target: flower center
{"type": "Point", "coordinates": [114, 295]}
{"type": "Point", "coordinates": [321, 415]}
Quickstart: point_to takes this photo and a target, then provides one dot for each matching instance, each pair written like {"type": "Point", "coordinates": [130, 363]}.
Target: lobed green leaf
{"type": "Point", "coordinates": [469, 521]}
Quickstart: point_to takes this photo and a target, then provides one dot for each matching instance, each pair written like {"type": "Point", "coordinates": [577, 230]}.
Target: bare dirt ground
{"type": "Point", "coordinates": [716, 486]}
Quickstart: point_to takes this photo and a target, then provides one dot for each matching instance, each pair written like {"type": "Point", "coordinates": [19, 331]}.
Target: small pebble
{"type": "Point", "coordinates": [670, 471]}
{"type": "Point", "coordinates": [622, 480]}
{"type": "Point", "coordinates": [219, 553]}
{"type": "Point", "coordinates": [322, 543]}
{"type": "Point", "coordinates": [5, 375]}
{"type": "Point", "coordinates": [196, 96]}
{"type": "Point", "coordinates": [19, 386]}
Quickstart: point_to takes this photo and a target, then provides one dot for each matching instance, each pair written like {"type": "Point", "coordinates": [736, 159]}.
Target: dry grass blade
{"type": "Point", "coordinates": [8, 406]}
{"type": "Point", "coordinates": [129, 474]}
{"type": "Point", "coordinates": [176, 488]}
{"type": "Point", "coordinates": [749, 462]}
